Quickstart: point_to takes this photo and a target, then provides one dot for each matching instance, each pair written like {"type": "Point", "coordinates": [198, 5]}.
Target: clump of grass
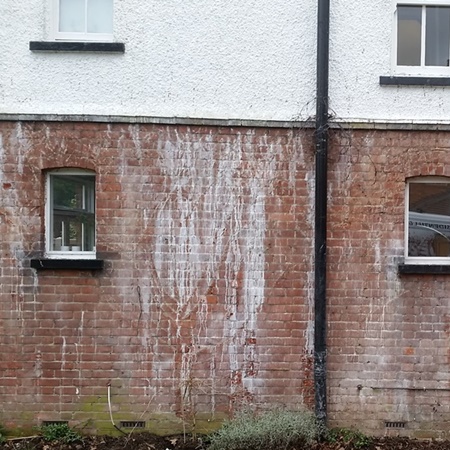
{"type": "Point", "coordinates": [277, 429]}
{"type": "Point", "coordinates": [59, 432]}
{"type": "Point", "coordinates": [348, 438]}
{"type": "Point", "coordinates": [2, 433]}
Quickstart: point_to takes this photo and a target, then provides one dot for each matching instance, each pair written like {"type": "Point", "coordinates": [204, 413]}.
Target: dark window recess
{"type": "Point", "coordinates": [132, 424]}
{"type": "Point", "coordinates": [60, 264]}
{"type": "Point", "coordinates": [56, 46]}
{"type": "Point", "coordinates": [394, 424]}
{"type": "Point", "coordinates": [414, 81]}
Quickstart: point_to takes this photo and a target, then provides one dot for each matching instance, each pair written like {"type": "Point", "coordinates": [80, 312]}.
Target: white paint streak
{"type": "Point", "coordinates": [2, 161]}
{"type": "Point", "coordinates": [79, 351]}
{"type": "Point", "coordinates": [309, 331]}
{"type": "Point", "coordinates": [21, 144]}
{"type": "Point", "coordinates": [203, 225]}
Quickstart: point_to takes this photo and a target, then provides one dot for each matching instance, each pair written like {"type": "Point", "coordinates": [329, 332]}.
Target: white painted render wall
{"type": "Point", "coordinates": [229, 59]}
{"type": "Point", "coordinates": [360, 52]}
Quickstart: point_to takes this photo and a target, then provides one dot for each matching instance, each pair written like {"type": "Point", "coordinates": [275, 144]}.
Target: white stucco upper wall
{"type": "Point", "coordinates": [229, 59]}
{"type": "Point", "coordinates": [361, 50]}
{"type": "Point", "coordinates": [250, 59]}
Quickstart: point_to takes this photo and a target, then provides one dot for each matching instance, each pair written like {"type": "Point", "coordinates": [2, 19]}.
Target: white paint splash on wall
{"type": "Point", "coordinates": [309, 332]}
{"type": "Point", "coordinates": [21, 144]}
{"type": "Point", "coordinates": [204, 224]}
{"type": "Point", "coordinates": [2, 158]}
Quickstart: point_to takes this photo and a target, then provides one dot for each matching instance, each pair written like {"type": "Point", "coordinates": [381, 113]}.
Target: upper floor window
{"type": "Point", "coordinates": [70, 214]}
{"type": "Point", "coordinates": [428, 221]}
{"type": "Point", "coordinates": [83, 20]}
{"type": "Point", "coordinates": [423, 37]}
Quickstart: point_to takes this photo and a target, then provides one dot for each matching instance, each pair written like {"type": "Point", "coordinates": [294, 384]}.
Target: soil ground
{"type": "Point", "coordinates": [146, 441]}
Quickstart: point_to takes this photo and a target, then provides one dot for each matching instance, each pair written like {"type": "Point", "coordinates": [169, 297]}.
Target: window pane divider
{"type": "Point", "coordinates": [422, 37]}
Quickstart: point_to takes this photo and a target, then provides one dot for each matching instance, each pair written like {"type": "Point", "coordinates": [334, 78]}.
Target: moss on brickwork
{"type": "Point", "coordinates": [24, 425]}
{"type": "Point", "coordinates": [94, 413]}
{"type": "Point", "coordinates": [95, 404]}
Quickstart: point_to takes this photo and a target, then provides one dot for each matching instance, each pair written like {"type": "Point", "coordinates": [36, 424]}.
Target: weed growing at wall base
{"type": "Point", "coordinates": [348, 437]}
{"type": "Point", "coordinates": [2, 434]}
{"type": "Point", "coordinates": [273, 430]}
{"type": "Point", "coordinates": [59, 432]}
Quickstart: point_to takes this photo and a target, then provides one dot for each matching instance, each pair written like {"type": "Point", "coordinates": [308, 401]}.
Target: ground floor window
{"type": "Point", "coordinates": [70, 214]}
{"type": "Point", "coordinates": [428, 220]}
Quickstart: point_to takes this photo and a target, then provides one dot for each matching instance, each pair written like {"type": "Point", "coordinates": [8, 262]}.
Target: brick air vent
{"type": "Point", "coordinates": [132, 424]}
{"type": "Point", "coordinates": [394, 424]}
{"type": "Point", "coordinates": [46, 423]}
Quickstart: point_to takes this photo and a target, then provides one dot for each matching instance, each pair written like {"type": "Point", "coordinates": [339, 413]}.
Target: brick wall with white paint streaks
{"type": "Point", "coordinates": [203, 306]}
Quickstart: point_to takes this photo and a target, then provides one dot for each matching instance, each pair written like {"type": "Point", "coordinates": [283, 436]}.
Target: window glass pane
{"type": "Point", "coordinates": [409, 30]}
{"type": "Point", "coordinates": [437, 36]}
{"type": "Point", "coordinates": [72, 16]}
{"type": "Point", "coordinates": [429, 219]}
{"type": "Point", "coordinates": [100, 16]}
{"type": "Point", "coordinates": [72, 212]}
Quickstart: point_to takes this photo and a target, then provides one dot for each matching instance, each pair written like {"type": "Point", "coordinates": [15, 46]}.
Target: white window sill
{"type": "Point", "coordinates": [70, 255]}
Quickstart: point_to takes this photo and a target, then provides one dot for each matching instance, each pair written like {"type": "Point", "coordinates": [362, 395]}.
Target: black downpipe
{"type": "Point", "coordinates": [320, 239]}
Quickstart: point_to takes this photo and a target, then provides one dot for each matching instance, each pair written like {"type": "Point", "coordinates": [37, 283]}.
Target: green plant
{"type": "Point", "coordinates": [277, 429]}
{"type": "Point", "coordinates": [2, 433]}
{"type": "Point", "coordinates": [348, 437]}
{"type": "Point", "coordinates": [59, 432]}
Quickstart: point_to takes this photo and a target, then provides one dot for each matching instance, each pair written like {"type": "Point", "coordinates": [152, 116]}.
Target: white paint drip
{"type": "Point", "coordinates": [136, 137]}
{"type": "Point", "coordinates": [203, 224]}
{"type": "Point", "coordinates": [309, 331]}
{"type": "Point", "coordinates": [63, 354]}
{"type": "Point", "coordinates": [2, 161]}
{"type": "Point", "coordinates": [79, 352]}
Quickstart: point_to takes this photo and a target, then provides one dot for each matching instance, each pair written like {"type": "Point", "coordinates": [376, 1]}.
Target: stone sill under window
{"type": "Point", "coordinates": [414, 81]}
{"type": "Point", "coordinates": [70, 264]}
{"type": "Point", "coordinates": [56, 46]}
{"type": "Point", "coordinates": [436, 269]}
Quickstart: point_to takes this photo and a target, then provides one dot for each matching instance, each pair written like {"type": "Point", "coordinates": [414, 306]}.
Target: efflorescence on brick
{"type": "Point", "coordinates": [204, 305]}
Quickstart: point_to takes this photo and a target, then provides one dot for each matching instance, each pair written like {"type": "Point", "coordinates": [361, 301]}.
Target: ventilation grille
{"type": "Point", "coordinates": [46, 423]}
{"type": "Point", "coordinates": [132, 424]}
{"type": "Point", "coordinates": [394, 424]}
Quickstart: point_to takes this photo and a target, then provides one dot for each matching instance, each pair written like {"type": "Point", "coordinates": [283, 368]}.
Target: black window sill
{"type": "Point", "coordinates": [424, 269]}
{"type": "Point", "coordinates": [55, 46]}
{"type": "Point", "coordinates": [74, 264]}
{"type": "Point", "coordinates": [414, 81]}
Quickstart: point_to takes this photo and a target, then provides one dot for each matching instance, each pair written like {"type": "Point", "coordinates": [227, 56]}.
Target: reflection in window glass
{"type": "Point", "coordinates": [429, 219]}
{"type": "Point", "coordinates": [409, 35]}
{"type": "Point", "coordinates": [71, 16]}
{"type": "Point", "coordinates": [85, 16]}
{"type": "Point", "coordinates": [72, 212]}
{"type": "Point", "coordinates": [437, 36]}
{"type": "Point", "coordinates": [99, 16]}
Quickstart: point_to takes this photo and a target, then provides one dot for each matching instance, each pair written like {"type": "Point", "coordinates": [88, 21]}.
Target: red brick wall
{"type": "Point", "coordinates": [389, 334]}
{"type": "Point", "coordinates": [205, 301]}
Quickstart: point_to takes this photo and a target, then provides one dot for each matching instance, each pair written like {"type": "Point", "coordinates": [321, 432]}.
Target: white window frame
{"type": "Point", "coordinates": [438, 71]}
{"type": "Point", "coordinates": [66, 254]}
{"type": "Point", "coordinates": [423, 260]}
{"type": "Point", "coordinates": [66, 36]}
